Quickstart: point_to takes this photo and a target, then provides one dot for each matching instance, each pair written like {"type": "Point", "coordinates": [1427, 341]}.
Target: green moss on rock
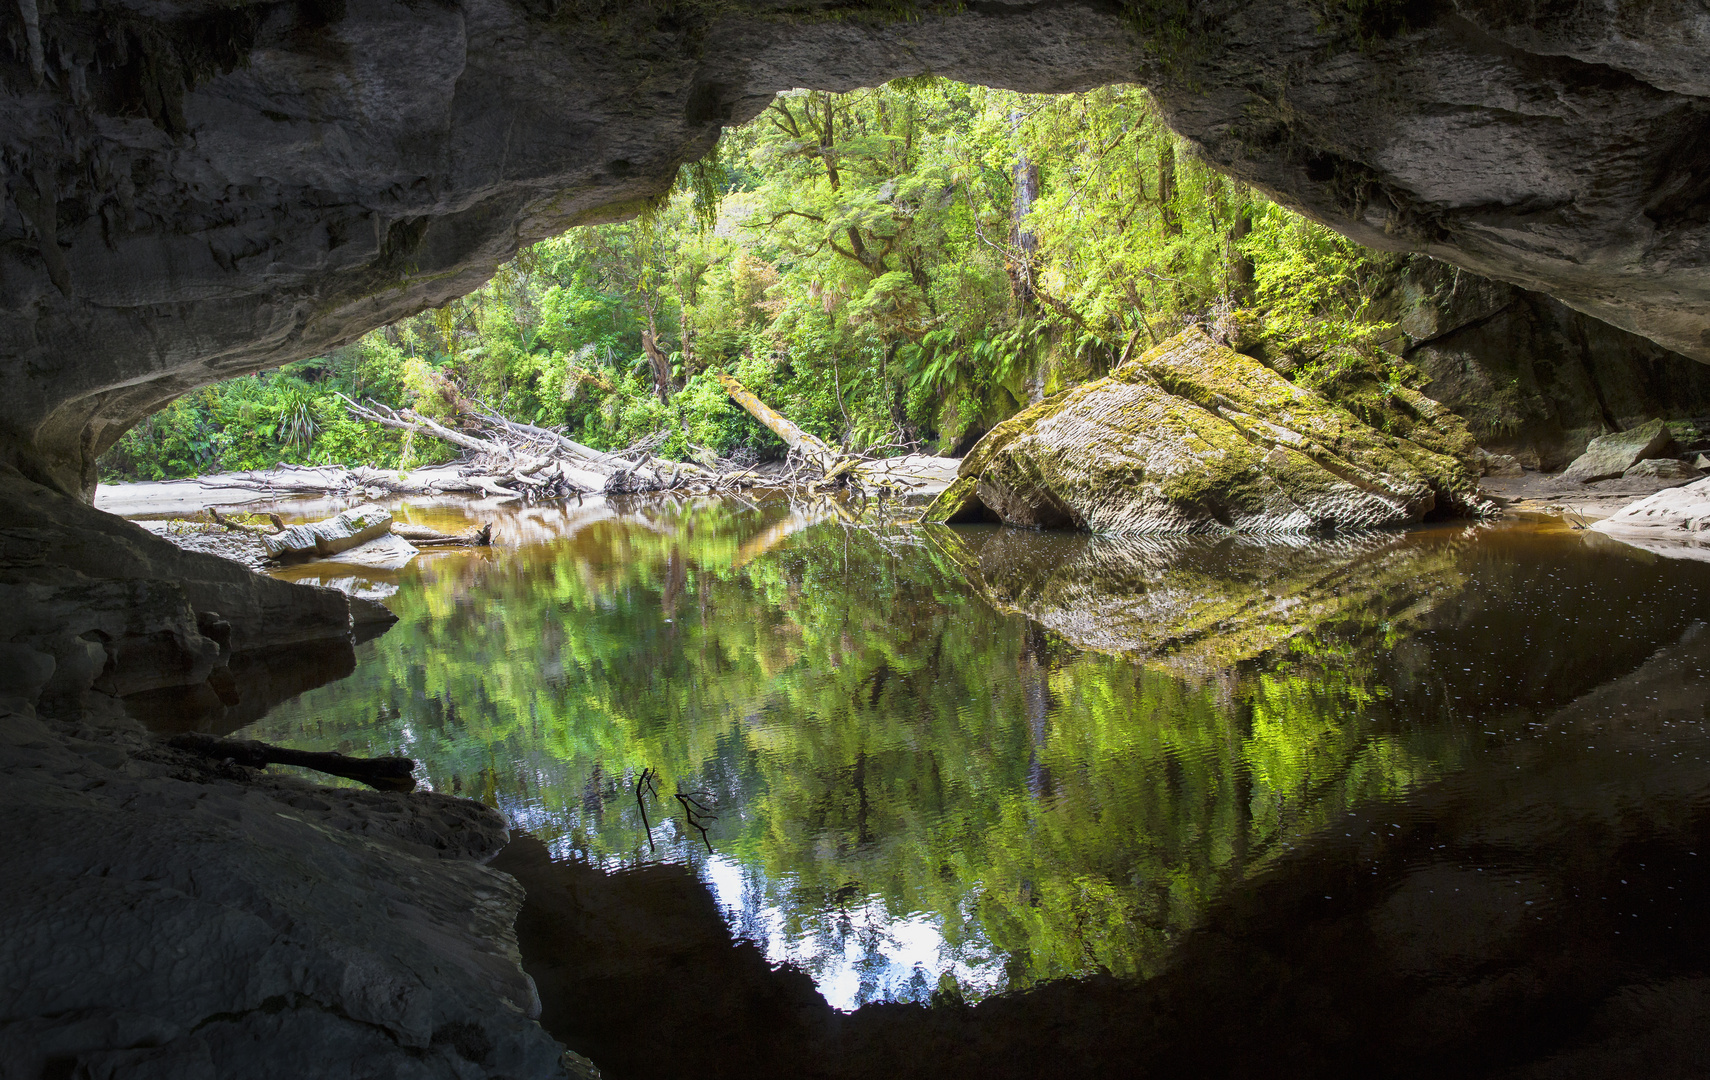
{"type": "Point", "coordinates": [1195, 437]}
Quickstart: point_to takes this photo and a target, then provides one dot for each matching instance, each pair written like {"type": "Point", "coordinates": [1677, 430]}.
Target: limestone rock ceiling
{"type": "Point", "coordinates": [194, 189]}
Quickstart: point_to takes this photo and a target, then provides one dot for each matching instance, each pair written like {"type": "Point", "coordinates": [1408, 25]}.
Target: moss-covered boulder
{"type": "Point", "coordinates": [1193, 437]}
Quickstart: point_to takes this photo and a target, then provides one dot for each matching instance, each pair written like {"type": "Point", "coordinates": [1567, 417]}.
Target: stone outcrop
{"type": "Point", "coordinates": [1674, 523]}
{"type": "Point", "coordinates": [103, 609]}
{"type": "Point", "coordinates": [162, 915]}
{"type": "Point", "coordinates": [1193, 437]}
{"type": "Point", "coordinates": [1609, 456]}
{"type": "Point", "coordinates": [1533, 378]}
{"type": "Point", "coordinates": [191, 192]}
{"type": "Point", "coordinates": [165, 915]}
{"type": "Point", "coordinates": [239, 545]}
{"type": "Point", "coordinates": [1660, 469]}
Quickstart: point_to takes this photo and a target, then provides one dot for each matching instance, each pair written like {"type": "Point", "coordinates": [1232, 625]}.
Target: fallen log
{"type": "Point", "coordinates": [515, 460]}
{"type": "Point", "coordinates": [599, 458]}
{"type": "Point", "coordinates": [860, 472]}
{"type": "Point", "coordinates": [383, 773]}
{"type": "Point", "coordinates": [385, 552]}
{"type": "Point", "coordinates": [809, 446]}
{"type": "Point", "coordinates": [346, 530]}
{"type": "Point", "coordinates": [422, 536]}
{"type": "Point", "coordinates": [492, 487]}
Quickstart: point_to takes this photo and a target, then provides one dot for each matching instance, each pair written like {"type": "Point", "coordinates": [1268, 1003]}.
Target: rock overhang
{"type": "Point", "coordinates": [231, 187]}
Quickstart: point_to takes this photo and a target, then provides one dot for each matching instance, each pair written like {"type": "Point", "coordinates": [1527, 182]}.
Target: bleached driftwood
{"type": "Point", "coordinates": [508, 459]}
{"type": "Point", "coordinates": [812, 447]}
{"type": "Point", "coordinates": [343, 531]}
{"type": "Point", "coordinates": [422, 536]}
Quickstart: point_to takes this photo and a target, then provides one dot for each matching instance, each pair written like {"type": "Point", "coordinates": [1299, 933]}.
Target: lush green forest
{"type": "Point", "coordinates": [893, 268]}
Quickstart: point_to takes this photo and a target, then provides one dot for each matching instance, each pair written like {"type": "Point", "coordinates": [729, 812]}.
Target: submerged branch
{"type": "Point", "coordinates": [385, 773]}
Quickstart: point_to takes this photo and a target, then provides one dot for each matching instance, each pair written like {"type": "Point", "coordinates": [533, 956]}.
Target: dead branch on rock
{"type": "Point", "coordinates": [242, 526]}
{"type": "Point", "coordinates": [384, 773]}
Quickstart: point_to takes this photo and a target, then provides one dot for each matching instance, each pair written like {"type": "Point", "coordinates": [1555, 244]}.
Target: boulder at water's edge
{"type": "Point", "coordinates": [1194, 437]}
{"type": "Point", "coordinates": [1608, 456]}
{"type": "Point", "coordinates": [1674, 523]}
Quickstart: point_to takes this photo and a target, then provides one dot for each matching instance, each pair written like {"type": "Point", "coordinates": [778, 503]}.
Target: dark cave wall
{"type": "Point", "coordinates": [1531, 376]}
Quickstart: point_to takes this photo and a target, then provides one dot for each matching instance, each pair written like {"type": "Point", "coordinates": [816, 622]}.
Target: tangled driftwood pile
{"type": "Point", "coordinates": [507, 458]}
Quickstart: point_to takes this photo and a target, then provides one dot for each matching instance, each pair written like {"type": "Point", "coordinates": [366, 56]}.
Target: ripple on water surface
{"type": "Point", "coordinates": [933, 764]}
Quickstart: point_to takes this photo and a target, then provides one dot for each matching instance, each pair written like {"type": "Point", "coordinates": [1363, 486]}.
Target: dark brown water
{"type": "Point", "coordinates": [1422, 804]}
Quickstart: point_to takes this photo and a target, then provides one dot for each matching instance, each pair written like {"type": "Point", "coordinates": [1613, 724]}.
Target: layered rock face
{"type": "Point", "coordinates": [102, 614]}
{"type": "Point", "coordinates": [161, 915]}
{"type": "Point", "coordinates": [1531, 376]}
{"type": "Point", "coordinates": [1193, 437]}
{"type": "Point", "coordinates": [196, 191]}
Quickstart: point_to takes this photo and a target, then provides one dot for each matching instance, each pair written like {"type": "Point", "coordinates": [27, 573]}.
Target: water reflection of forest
{"type": "Point", "coordinates": [898, 726]}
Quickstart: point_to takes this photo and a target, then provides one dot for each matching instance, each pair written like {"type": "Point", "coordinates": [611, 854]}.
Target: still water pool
{"type": "Point", "coordinates": [936, 764]}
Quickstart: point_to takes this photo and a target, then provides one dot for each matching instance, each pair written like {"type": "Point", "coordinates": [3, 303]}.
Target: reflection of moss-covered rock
{"type": "Point", "coordinates": [1198, 604]}
{"type": "Point", "coordinates": [1194, 437]}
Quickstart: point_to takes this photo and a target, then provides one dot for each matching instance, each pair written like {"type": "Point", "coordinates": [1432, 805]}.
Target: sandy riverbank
{"type": "Point", "coordinates": [1548, 493]}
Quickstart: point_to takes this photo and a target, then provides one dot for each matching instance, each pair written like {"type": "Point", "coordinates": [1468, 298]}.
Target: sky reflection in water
{"type": "Point", "coordinates": [960, 761]}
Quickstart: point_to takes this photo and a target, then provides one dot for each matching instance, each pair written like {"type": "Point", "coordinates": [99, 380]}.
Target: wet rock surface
{"type": "Point", "coordinates": [1548, 493]}
{"type": "Point", "coordinates": [608, 949]}
{"type": "Point", "coordinates": [1674, 523]}
{"type": "Point", "coordinates": [1533, 378]}
{"type": "Point", "coordinates": [167, 915]}
{"type": "Point", "coordinates": [192, 193]}
{"type": "Point", "coordinates": [108, 610]}
{"type": "Point", "coordinates": [240, 546]}
{"type": "Point", "coordinates": [1662, 469]}
{"type": "Point", "coordinates": [1193, 437]}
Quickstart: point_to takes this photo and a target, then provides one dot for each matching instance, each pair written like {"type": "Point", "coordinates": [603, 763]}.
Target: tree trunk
{"type": "Point", "coordinates": [1167, 187]}
{"type": "Point", "coordinates": [828, 142]}
{"type": "Point", "coordinates": [812, 447]}
{"type": "Point", "coordinates": [656, 359]}
{"type": "Point", "coordinates": [1240, 266]}
{"type": "Point", "coordinates": [1022, 239]}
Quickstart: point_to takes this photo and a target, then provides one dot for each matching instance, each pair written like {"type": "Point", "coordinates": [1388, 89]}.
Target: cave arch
{"type": "Point", "coordinates": [194, 192]}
